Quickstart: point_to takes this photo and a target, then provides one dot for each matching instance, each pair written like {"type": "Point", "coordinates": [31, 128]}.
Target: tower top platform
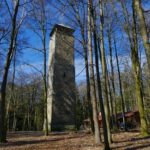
{"type": "Point", "coordinates": [62, 27]}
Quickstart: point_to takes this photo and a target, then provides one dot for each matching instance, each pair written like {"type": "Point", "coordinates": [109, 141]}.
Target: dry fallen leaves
{"type": "Point", "coordinates": [72, 141]}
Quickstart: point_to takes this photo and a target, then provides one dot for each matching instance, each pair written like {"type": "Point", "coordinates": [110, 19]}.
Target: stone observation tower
{"type": "Point", "coordinates": [61, 79]}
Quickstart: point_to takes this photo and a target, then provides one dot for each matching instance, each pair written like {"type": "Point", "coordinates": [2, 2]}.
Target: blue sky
{"type": "Point", "coordinates": [36, 59]}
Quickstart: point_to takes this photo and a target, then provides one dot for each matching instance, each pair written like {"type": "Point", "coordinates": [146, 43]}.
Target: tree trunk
{"type": "Point", "coordinates": [104, 72]}
{"type": "Point", "coordinates": [82, 25]}
{"type": "Point", "coordinates": [120, 87]}
{"type": "Point", "coordinates": [112, 119]}
{"type": "Point", "coordinates": [88, 84]}
{"type": "Point", "coordinates": [3, 128]}
{"type": "Point", "coordinates": [136, 67]}
{"type": "Point", "coordinates": [142, 28]}
{"type": "Point", "coordinates": [137, 75]}
{"type": "Point", "coordinates": [45, 81]}
{"type": "Point", "coordinates": [92, 80]}
{"type": "Point", "coordinates": [105, 132]}
{"type": "Point", "coordinates": [12, 91]}
{"type": "Point", "coordinates": [112, 78]}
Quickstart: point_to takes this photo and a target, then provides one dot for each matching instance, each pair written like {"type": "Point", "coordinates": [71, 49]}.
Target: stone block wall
{"type": "Point", "coordinates": [61, 87]}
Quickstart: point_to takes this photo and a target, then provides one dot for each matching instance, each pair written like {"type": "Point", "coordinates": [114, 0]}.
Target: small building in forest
{"type": "Point", "coordinates": [132, 119]}
{"type": "Point", "coordinates": [131, 115]}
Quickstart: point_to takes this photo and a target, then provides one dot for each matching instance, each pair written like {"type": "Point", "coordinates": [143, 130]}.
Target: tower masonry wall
{"type": "Point", "coordinates": [61, 93]}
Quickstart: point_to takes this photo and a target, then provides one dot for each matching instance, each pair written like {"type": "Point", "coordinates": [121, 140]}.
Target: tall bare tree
{"type": "Point", "coordinates": [81, 20]}
{"type": "Point", "coordinates": [11, 49]}
{"type": "Point", "coordinates": [92, 78]}
{"type": "Point", "coordinates": [112, 76]}
{"type": "Point", "coordinates": [99, 88]}
{"type": "Point", "coordinates": [120, 87]}
{"type": "Point", "coordinates": [39, 16]}
{"type": "Point", "coordinates": [104, 70]}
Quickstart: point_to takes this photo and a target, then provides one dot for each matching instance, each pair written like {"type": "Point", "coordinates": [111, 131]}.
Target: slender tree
{"type": "Point", "coordinates": [112, 76]}
{"type": "Point", "coordinates": [92, 79]}
{"type": "Point", "coordinates": [82, 25]}
{"type": "Point", "coordinates": [104, 71]}
{"type": "Point", "coordinates": [120, 87]}
{"type": "Point", "coordinates": [40, 18]}
{"type": "Point", "coordinates": [3, 126]}
{"type": "Point", "coordinates": [99, 89]}
{"type": "Point", "coordinates": [13, 93]}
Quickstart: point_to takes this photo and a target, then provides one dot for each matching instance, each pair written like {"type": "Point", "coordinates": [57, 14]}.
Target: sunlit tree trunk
{"type": "Point", "coordinates": [92, 80]}
{"type": "Point", "coordinates": [45, 82]}
{"type": "Point", "coordinates": [99, 89]}
{"type": "Point", "coordinates": [82, 24]}
{"type": "Point", "coordinates": [41, 18]}
{"type": "Point", "coordinates": [104, 72]}
{"type": "Point", "coordinates": [88, 85]}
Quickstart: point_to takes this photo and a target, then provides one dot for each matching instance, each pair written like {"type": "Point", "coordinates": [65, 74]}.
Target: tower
{"type": "Point", "coordinates": [61, 79]}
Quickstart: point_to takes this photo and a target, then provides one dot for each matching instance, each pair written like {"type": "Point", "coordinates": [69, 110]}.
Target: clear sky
{"type": "Point", "coordinates": [35, 58]}
{"type": "Point", "coordinates": [56, 16]}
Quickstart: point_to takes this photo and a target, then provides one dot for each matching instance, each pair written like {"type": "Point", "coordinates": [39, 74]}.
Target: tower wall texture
{"type": "Point", "coordinates": [61, 79]}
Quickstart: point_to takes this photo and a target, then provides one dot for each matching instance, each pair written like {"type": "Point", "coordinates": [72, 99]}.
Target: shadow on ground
{"type": "Point", "coordinates": [136, 143]}
{"type": "Point", "coordinates": [39, 141]}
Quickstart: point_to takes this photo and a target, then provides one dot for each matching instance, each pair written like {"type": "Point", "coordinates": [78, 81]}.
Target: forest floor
{"type": "Point", "coordinates": [72, 141]}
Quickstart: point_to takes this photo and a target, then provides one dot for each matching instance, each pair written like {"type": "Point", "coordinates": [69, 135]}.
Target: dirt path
{"type": "Point", "coordinates": [72, 141]}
